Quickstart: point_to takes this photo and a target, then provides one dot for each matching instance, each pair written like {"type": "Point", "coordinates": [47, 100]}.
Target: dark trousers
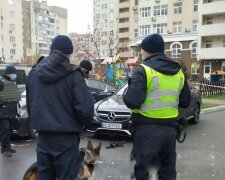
{"type": "Point", "coordinates": [155, 147]}
{"type": "Point", "coordinates": [5, 133]}
{"type": "Point", "coordinates": [57, 156]}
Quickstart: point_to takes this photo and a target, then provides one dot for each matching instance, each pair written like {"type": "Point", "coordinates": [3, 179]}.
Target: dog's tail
{"type": "Point", "coordinates": [31, 172]}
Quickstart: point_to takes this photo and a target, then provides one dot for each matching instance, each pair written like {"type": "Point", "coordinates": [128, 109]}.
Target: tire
{"type": "Point", "coordinates": [196, 114]}
{"type": "Point", "coordinates": [32, 133]}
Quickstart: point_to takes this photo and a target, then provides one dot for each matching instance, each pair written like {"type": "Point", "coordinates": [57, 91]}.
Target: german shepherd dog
{"type": "Point", "coordinates": [89, 156]}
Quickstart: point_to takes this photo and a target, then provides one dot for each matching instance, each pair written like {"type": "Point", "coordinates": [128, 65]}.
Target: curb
{"type": "Point", "coordinates": [212, 109]}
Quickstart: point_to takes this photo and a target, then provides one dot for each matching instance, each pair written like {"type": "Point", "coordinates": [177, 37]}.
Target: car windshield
{"type": "Point", "coordinates": [121, 90]}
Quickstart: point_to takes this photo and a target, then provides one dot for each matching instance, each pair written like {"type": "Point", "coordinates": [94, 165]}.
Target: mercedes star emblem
{"type": "Point", "coordinates": [111, 116]}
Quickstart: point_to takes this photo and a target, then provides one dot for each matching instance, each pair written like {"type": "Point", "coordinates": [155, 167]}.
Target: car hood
{"type": "Point", "coordinates": [114, 103]}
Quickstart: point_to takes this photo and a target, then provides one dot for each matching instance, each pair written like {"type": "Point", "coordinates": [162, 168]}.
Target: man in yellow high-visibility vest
{"type": "Point", "coordinates": [155, 91]}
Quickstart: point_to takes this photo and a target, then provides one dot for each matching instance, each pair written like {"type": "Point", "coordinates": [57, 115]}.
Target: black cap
{"type": "Point", "coordinates": [153, 43]}
{"type": "Point", "coordinates": [10, 69]}
{"type": "Point", "coordinates": [62, 43]}
{"type": "Point", "coordinates": [86, 64]}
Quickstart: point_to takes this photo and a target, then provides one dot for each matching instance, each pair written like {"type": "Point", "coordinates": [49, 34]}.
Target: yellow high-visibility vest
{"type": "Point", "coordinates": [162, 94]}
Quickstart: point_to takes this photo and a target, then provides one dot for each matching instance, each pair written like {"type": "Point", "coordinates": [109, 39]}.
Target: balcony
{"type": "Point", "coordinates": [211, 53]}
{"type": "Point", "coordinates": [124, 4]}
{"type": "Point", "coordinates": [124, 15]}
{"type": "Point", "coordinates": [213, 8]}
{"type": "Point", "coordinates": [123, 35]}
{"type": "Point", "coordinates": [212, 29]}
{"type": "Point", "coordinates": [124, 25]}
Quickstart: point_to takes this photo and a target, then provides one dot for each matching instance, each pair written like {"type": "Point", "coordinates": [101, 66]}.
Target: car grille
{"type": "Point", "coordinates": [118, 116]}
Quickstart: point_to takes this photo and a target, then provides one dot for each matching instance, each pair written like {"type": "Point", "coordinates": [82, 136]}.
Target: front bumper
{"type": "Point", "coordinates": [97, 128]}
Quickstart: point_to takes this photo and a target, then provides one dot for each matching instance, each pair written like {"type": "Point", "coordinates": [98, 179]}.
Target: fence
{"type": "Point", "coordinates": [207, 88]}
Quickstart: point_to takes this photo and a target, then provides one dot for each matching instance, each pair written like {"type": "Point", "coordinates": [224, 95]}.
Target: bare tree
{"type": "Point", "coordinates": [82, 47]}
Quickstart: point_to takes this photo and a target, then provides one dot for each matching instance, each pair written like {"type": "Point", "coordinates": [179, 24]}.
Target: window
{"type": "Point", "coordinates": [160, 10]}
{"type": "Point", "coordinates": [195, 68]}
{"type": "Point", "coordinates": [144, 30]}
{"type": "Point", "coordinates": [160, 28]}
{"type": "Point", "coordinates": [207, 67]}
{"type": "Point", "coordinates": [104, 6]}
{"type": "Point", "coordinates": [223, 43]}
{"type": "Point", "coordinates": [12, 39]}
{"type": "Point", "coordinates": [177, 27]}
{"type": "Point", "coordinates": [104, 42]}
{"type": "Point", "coordinates": [11, 26]}
{"type": "Point", "coordinates": [208, 44]}
{"type": "Point", "coordinates": [209, 1]}
{"type": "Point", "coordinates": [195, 5]}
{"type": "Point", "coordinates": [223, 66]}
{"type": "Point", "coordinates": [176, 50]}
{"type": "Point", "coordinates": [11, 14]}
{"type": "Point", "coordinates": [194, 50]}
{"type": "Point", "coordinates": [145, 12]}
{"type": "Point", "coordinates": [104, 16]}
{"type": "Point", "coordinates": [209, 20]}
{"type": "Point", "coordinates": [195, 25]}
{"type": "Point", "coordinates": [177, 8]}
{"type": "Point", "coordinates": [12, 51]}
{"type": "Point", "coordinates": [135, 32]}
{"type": "Point", "coordinates": [97, 17]}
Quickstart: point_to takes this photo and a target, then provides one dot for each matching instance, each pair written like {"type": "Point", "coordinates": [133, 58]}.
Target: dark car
{"type": "Point", "coordinates": [113, 117]}
{"type": "Point", "coordinates": [100, 90]}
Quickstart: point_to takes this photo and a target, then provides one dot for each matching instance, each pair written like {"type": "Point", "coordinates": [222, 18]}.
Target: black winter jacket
{"type": "Point", "coordinates": [58, 99]}
{"type": "Point", "coordinates": [137, 86]}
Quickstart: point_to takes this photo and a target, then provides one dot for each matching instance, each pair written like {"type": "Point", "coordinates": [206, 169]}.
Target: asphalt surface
{"type": "Point", "coordinates": [200, 157]}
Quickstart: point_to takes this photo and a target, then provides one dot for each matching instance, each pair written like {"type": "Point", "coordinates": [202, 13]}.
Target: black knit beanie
{"type": "Point", "coordinates": [153, 43]}
{"type": "Point", "coordinates": [62, 43]}
{"type": "Point", "coordinates": [86, 64]}
{"type": "Point", "coordinates": [10, 69]}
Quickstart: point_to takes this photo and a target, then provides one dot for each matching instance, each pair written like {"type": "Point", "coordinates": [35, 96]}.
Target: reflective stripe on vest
{"type": "Point", "coordinates": [161, 101]}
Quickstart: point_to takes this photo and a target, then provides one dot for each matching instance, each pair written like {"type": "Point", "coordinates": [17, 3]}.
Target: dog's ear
{"type": "Point", "coordinates": [98, 148]}
{"type": "Point", "coordinates": [89, 145]}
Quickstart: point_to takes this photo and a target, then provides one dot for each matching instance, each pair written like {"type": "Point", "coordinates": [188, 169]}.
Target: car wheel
{"type": "Point", "coordinates": [32, 133]}
{"type": "Point", "coordinates": [196, 114]}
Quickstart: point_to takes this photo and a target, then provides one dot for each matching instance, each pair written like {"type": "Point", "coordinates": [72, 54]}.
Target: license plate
{"type": "Point", "coordinates": [112, 125]}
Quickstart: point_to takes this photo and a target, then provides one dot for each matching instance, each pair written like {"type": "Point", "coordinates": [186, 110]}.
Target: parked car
{"type": "Point", "coordinates": [111, 115]}
{"type": "Point", "coordinates": [99, 89]}
{"type": "Point", "coordinates": [22, 126]}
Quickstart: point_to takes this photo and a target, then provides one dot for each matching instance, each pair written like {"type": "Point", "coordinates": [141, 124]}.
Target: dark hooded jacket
{"type": "Point", "coordinates": [58, 99]}
{"type": "Point", "coordinates": [137, 86]}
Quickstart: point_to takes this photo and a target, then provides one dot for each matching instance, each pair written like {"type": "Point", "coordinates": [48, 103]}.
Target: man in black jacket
{"type": "Point", "coordinates": [154, 93]}
{"type": "Point", "coordinates": [60, 106]}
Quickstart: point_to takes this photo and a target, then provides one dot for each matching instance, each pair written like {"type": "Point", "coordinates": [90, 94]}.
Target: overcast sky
{"type": "Point", "coordinates": [80, 13]}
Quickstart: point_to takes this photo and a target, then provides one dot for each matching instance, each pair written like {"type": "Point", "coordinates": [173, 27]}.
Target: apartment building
{"type": "Point", "coordinates": [211, 36]}
{"type": "Point", "coordinates": [104, 26]}
{"type": "Point", "coordinates": [114, 24]}
{"type": "Point", "coordinates": [177, 22]}
{"type": "Point", "coordinates": [41, 23]}
{"type": "Point", "coordinates": [11, 41]}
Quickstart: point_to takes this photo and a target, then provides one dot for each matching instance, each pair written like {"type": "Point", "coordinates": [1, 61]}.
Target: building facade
{"type": "Point", "coordinates": [11, 33]}
{"type": "Point", "coordinates": [41, 23]}
{"type": "Point", "coordinates": [211, 36]}
{"type": "Point", "coordinates": [169, 18]}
